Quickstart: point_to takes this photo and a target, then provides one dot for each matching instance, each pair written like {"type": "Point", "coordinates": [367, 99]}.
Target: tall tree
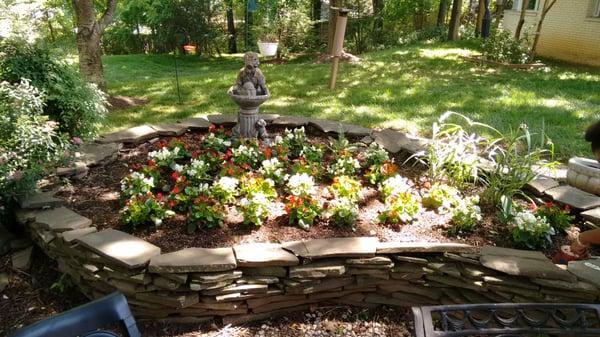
{"type": "Point", "coordinates": [378, 19]}
{"type": "Point", "coordinates": [455, 20]}
{"type": "Point", "coordinates": [524, 5]}
{"type": "Point", "coordinates": [441, 17]}
{"type": "Point", "coordinates": [231, 27]}
{"type": "Point", "coordinates": [548, 4]}
{"type": "Point", "coordinates": [480, 14]}
{"type": "Point", "coordinates": [316, 10]}
{"type": "Point", "coordinates": [89, 33]}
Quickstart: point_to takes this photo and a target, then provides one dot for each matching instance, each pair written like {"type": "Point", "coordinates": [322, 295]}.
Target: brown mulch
{"type": "Point", "coordinates": [124, 102]}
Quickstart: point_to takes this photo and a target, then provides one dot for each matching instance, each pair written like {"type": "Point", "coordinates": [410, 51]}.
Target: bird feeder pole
{"type": "Point", "coordinates": [338, 43]}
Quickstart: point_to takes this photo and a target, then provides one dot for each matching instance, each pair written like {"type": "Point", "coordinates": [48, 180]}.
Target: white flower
{"type": "Point", "coordinates": [394, 185]}
{"type": "Point", "coordinates": [228, 184]}
{"type": "Point", "coordinates": [177, 168]}
{"type": "Point", "coordinates": [300, 184]}
{"type": "Point", "coordinates": [278, 140]}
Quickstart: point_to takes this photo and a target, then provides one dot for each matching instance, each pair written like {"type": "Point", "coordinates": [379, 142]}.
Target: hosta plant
{"type": "Point", "coordinates": [302, 210]}
{"type": "Point", "coordinates": [401, 207]}
{"type": "Point", "coordinates": [531, 231]}
{"type": "Point", "coordinates": [145, 210]}
{"type": "Point", "coordinates": [465, 215]}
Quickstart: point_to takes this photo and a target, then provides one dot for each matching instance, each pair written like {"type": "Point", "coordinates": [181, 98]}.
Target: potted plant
{"type": "Point", "coordinates": [268, 43]}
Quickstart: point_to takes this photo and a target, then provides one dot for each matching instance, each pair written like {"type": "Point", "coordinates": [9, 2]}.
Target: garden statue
{"type": "Point", "coordinates": [249, 92]}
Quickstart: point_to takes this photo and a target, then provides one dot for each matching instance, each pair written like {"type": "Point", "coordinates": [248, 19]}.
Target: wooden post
{"type": "Point", "coordinates": [338, 44]}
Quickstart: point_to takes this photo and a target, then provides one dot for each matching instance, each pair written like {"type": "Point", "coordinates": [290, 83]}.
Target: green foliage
{"type": "Point", "coordinates": [145, 210]}
{"type": "Point", "coordinates": [342, 212]}
{"type": "Point", "coordinates": [374, 155]}
{"type": "Point", "coordinates": [344, 187]}
{"type": "Point", "coordinates": [205, 212]}
{"type": "Point", "coordinates": [559, 218]}
{"type": "Point", "coordinates": [465, 215]}
{"type": "Point", "coordinates": [77, 106]}
{"type": "Point", "coordinates": [441, 197]}
{"type": "Point", "coordinates": [501, 46]}
{"type": "Point", "coordinates": [29, 142]}
{"type": "Point", "coordinates": [288, 22]}
{"type": "Point", "coordinates": [302, 210]}
{"type": "Point", "coordinates": [531, 231]}
{"type": "Point", "coordinates": [399, 208]}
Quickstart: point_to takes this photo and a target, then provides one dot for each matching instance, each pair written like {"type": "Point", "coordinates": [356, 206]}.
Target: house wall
{"type": "Point", "coordinates": [569, 31]}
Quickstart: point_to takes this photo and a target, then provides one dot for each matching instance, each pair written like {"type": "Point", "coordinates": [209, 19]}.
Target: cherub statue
{"type": "Point", "coordinates": [250, 80]}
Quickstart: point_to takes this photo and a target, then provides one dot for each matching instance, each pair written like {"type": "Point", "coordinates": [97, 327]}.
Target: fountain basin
{"type": "Point", "coordinates": [248, 104]}
{"type": "Point", "coordinates": [584, 174]}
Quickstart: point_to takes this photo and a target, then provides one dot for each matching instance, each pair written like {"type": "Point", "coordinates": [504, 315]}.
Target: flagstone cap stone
{"type": "Point", "coordinates": [120, 248]}
{"type": "Point", "coordinates": [574, 197]}
{"type": "Point", "coordinates": [328, 126]}
{"type": "Point", "coordinates": [133, 135]}
{"type": "Point", "coordinates": [91, 154]}
{"type": "Point", "coordinates": [523, 263]}
{"type": "Point", "coordinates": [194, 260]}
{"type": "Point", "coordinates": [588, 270]}
{"type": "Point", "coordinates": [335, 247]}
{"type": "Point", "coordinates": [70, 236]}
{"type": "Point", "coordinates": [263, 254]}
{"type": "Point", "coordinates": [226, 119]}
{"type": "Point", "coordinates": [392, 140]}
{"type": "Point", "coordinates": [291, 121]}
{"type": "Point", "coordinates": [39, 200]}
{"type": "Point", "coordinates": [61, 219]}
{"type": "Point", "coordinates": [195, 123]}
{"type": "Point", "coordinates": [423, 247]}
{"type": "Point", "coordinates": [540, 185]}
{"type": "Point", "coordinates": [169, 129]}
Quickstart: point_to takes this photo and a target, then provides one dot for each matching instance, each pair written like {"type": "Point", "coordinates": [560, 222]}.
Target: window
{"type": "Point", "coordinates": [596, 9]}
{"type": "Point", "coordinates": [531, 6]}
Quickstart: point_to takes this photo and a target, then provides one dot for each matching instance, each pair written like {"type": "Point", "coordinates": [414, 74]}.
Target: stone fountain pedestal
{"type": "Point", "coordinates": [248, 117]}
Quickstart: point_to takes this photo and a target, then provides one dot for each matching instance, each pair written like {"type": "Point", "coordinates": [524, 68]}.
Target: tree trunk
{"type": "Point", "coordinates": [455, 20]}
{"type": "Point", "coordinates": [499, 12]}
{"type": "Point", "coordinates": [231, 27]}
{"type": "Point", "coordinates": [480, 14]}
{"type": "Point", "coordinates": [441, 17]}
{"type": "Point", "coordinates": [316, 10]}
{"type": "Point", "coordinates": [521, 19]}
{"type": "Point", "coordinates": [89, 34]}
{"type": "Point", "coordinates": [378, 19]}
{"type": "Point", "coordinates": [547, 6]}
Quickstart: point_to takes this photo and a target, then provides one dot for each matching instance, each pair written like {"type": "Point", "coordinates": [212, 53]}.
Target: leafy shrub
{"type": "Point", "coordinates": [559, 218]}
{"type": "Point", "coordinates": [145, 209]}
{"type": "Point", "coordinates": [465, 215]}
{"type": "Point", "coordinates": [531, 231]}
{"type": "Point", "coordinates": [76, 105]}
{"type": "Point", "coordinates": [207, 212]}
{"type": "Point", "coordinates": [29, 142]}
{"type": "Point", "coordinates": [501, 46]}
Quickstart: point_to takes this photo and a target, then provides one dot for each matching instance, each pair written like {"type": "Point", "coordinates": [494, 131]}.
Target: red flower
{"type": "Point", "coordinates": [195, 154]}
{"type": "Point", "coordinates": [568, 208]}
{"type": "Point", "coordinates": [245, 166]}
{"type": "Point", "coordinates": [172, 203]}
{"type": "Point", "coordinates": [174, 175]}
{"type": "Point", "coordinates": [159, 196]}
{"type": "Point", "coordinates": [228, 154]}
{"type": "Point", "coordinates": [212, 128]}
{"type": "Point", "coordinates": [549, 204]}
{"type": "Point", "coordinates": [150, 162]}
{"type": "Point", "coordinates": [175, 190]}
{"type": "Point", "coordinates": [268, 153]}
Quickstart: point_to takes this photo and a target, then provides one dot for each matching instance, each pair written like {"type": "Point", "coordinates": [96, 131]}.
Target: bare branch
{"type": "Point", "coordinates": [109, 13]}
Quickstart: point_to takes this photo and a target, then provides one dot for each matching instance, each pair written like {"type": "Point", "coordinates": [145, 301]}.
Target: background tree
{"type": "Point", "coordinates": [499, 12]}
{"type": "Point", "coordinates": [455, 20]}
{"type": "Point", "coordinates": [548, 4]}
{"type": "Point", "coordinates": [89, 34]}
{"type": "Point", "coordinates": [231, 27]}
{"type": "Point", "coordinates": [521, 22]}
{"type": "Point", "coordinates": [378, 20]}
{"type": "Point", "coordinates": [441, 16]}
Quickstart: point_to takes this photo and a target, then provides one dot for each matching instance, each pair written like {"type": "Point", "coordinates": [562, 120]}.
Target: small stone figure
{"type": "Point", "coordinates": [250, 80]}
{"type": "Point", "coordinates": [261, 128]}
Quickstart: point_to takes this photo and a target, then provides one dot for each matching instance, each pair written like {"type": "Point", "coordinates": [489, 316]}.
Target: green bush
{"type": "Point", "coordinates": [76, 105]}
{"type": "Point", "coordinates": [501, 46]}
{"type": "Point", "coordinates": [29, 142]}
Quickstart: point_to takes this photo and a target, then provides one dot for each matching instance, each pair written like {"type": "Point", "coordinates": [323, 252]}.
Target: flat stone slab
{"type": "Point", "coordinates": [22, 259]}
{"type": "Point", "coordinates": [593, 215]}
{"type": "Point", "coordinates": [263, 254]}
{"type": "Point", "coordinates": [133, 135]}
{"type": "Point", "coordinates": [335, 247]}
{"type": "Point", "coordinates": [39, 200]}
{"type": "Point", "coordinates": [226, 119]}
{"type": "Point", "coordinates": [120, 248]}
{"type": "Point", "coordinates": [75, 234]}
{"type": "Point", "coordinates": [269, 118]}
{"type": "Point", "coordinates": [540, 185]}
{"type": "Point", "coordinates": [195, 123]}
{"type": "Point", "coordinates": [574, 197]}
{"type": "Point", "coordinates": [61, 219]}
{"type": "Point", "coordinates": [194, 260]}
{"type": "Point", "coordinates": [392, 140]}
{"type": "Point", "coordinates": [328, 126]}
{"type": "Point", "coordinates": [574, 286]}
{"type": "Point", "coordinates": [587, 270]}
{"type": "Point", "coordinates": [92, 154]}
{"type": "Point", "coordinates": [523, 263]}
{"type": "Point", "coordinates": [216, 277]}
{"type": "Point", "coordinates": [169, 129]}
{"type": "Point", "coordinates": [423, 247]}
{"type": "Point", "coordinates": [318, 270]}
{"type": "Point", "coordinates": [291, 121]}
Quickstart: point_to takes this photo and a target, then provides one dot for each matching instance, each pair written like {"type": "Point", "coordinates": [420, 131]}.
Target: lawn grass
{"type": "Point", "coordinates": [406, 88]}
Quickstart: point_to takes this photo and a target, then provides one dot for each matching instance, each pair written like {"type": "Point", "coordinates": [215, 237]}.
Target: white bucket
{"type": "Point", "coordinates": [268, 48]}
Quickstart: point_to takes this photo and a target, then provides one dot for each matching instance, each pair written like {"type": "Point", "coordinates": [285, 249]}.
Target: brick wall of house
{"type": "Point", "coordinates": [569, 32]}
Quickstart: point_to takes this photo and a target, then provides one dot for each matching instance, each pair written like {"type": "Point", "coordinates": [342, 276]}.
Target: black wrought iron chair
{"type": "Point", "coordinates": [87, 320]}
{"type": "Point", "coordinates": [507, 319]}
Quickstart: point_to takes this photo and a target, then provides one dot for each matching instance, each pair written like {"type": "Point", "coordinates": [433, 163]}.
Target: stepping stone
{"type": "Point", "coordinates": [592, 215]}
{"type": "Point", "coordinates": [540, 185]}
{"type": "Point", "coordinates": [120, 248]}
{"type": "Point", "coordinates": [227, 119]}
{"type": "Point", "coordinates": [291, 121]}
{"type": "Point", "coordinates": [392, 140]}
{"type": "Point", "coordinates": [92, 154]}
{"type": "Point", "coordinates": [169, 129]}
{"type": "Point", "coordinates": [75, 234]}
{"type": "Point", "coordinates": [195, 123]}
{"type": "Point", "coordinates": [22, 259]}
{"type": "Point", "coordinates": [61, 219]}
{"type": "Point", "coordinates": [423, 247]}
{"type": "Point", "coordinates": [194, 260]}
{"type": "Point", "coordinates": [336, 247]}
{"type": "Point", "coordinates": [39, 200]}
{"type": "Point", "coordinates": [587, 270]}
{"type": "Point", "coordinates": [523, 263]}
{"type": "Point", "coordinates": [133, 135]}
{"type": "Point", "coordinates": [78, 169]}
{"type": "Point", "coordinates": [264, 254]}
{"type": "Point", "coordinates": [574, 197]}
{"type": "Point", "coordinates": [328, 126]}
